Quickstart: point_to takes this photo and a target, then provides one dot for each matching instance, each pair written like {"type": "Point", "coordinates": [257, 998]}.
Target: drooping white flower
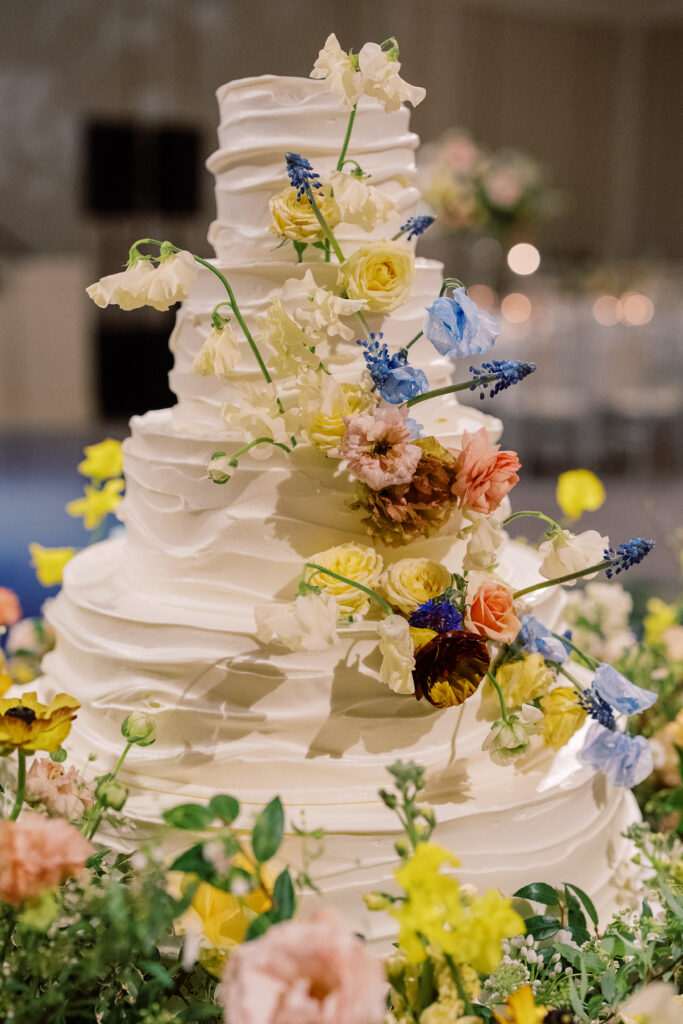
{"type": "Point", "coordinates": [258, 415]}
{"type": "Point", "coordinates": [484, 538]}
{"type": "Point", "coordinates": [337, 68]}
{"type": "Point", "coordinates": [381, 79]}
{"type": "Point", "coordinates": [127, 289]}
{"type": "Point", "coordinates": [398, 654]}
{"type": "Point", "coordinates": [656, 1003]}
{"type": "Point", "coordinates": [508, 740]}
{"type": "Point", "coordinates": [172, 280]}
{"type": "Point", "coordinates": [307, 624]}
{"type": "Point", "coordinates": [359, 203]}
{"type": "Point", "coordinates": [219, 354]}
{"type": "Point", "coordinates": [565, 553]}
{"type": "Point", "coordinates": [316, 310]}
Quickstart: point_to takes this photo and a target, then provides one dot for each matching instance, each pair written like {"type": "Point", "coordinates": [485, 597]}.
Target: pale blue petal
{"type": "Point", "coordinates": [620, 692]}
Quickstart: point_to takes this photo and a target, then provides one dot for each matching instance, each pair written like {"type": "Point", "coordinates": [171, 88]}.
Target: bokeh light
{"type": "Point", "coordinates": [483, 296]}
{"type": "Point", "coordinates": [516, 308]}
{"type": "Point", "coordinates": [524, 259]}
{"type": "Point", "coordinates": [607, 310]}
{"type": "Point", "coordinates": [636, 309]}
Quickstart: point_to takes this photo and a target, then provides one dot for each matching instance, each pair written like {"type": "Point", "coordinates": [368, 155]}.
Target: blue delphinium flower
{"type": "Point", "coordinates": [301, 174]}
{"type": "Point", "coordinates": [624, 759]}
{"type": "Point", "coordinates": [415, 226]}
{"type": "Point", "coordinates": [596, 707]}
{"type": "Point", "coordinates": [537, 639]}
{"type": "Point", "coordinates": [620, 692]}
{"type": "Point", "coordinates": [457, 327]}
{"type": "Point", "coordinates": [395, 380]}
{"type": "Point", "coordinates": [441, 616]}
{"type": "Point", "coordinates": [628, 554]}
{"type": "Point", "coordinates": [507, 371]}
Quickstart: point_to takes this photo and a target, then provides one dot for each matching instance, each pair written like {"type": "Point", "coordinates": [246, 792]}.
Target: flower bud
{"type": "Point", "coordinates": [111, 793]}
{"type": "Point", "coordinates": [139, 728]}
{"type": "Point", "coordinates": [376, 901]}
{"type": "Point", "coordinates": [402, 847]}
{"type": "Point", "coordinates": [220, 468]}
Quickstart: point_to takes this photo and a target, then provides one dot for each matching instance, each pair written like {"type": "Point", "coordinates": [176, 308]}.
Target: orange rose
{"type": "Point", "coordinates": [492, 613]}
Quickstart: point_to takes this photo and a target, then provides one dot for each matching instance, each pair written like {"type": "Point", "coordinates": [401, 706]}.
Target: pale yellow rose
{"type": "Point", "coordinates": [323, 409]}
{"type": "Point", "coordinates": [562, 716]}
{"type": "Point", "coordinates": [357, 562]}
{"type": "Point", "coordinates": [523, 681]}
{"type": "Point", "coordinates": [294, 218]}
{"type": "Point", "coordinates": [410, 582]}
{"type": "Point", "coordinates": [382, 273]}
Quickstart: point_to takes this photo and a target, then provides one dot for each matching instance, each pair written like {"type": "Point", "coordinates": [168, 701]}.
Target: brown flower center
{"type": "Point", "coordinates": [381, 447]}
{"type": "Point", "coordinates": [27, 715]}
{"type": "Point", "coordinates": [319, 989]}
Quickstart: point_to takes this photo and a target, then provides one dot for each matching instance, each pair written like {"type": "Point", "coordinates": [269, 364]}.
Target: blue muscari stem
{"type": "Point", "coordinates": [414, 227]}
{"type": "Point", "coordinates": [301, 174]}
{"type": "Point", "coordinates": [351, 583]}
{"type": "Point", "coordinates": [597, 708]}
{"type": "Point", "coordinates": [505, 372]}
{"type": "Point", "coordinates": [628, 554]}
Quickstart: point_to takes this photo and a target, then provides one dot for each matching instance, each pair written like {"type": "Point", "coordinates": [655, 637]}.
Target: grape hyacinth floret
{"type": "Point", "coordinates": [628, 554]}
{"type": "Point", "coordinates": [416, 226]}
{"type": "Point", "coordinates": [507, 372]}
{"type": "Point", "coordinates": [301, 174]}
{"type": "Point", "coordinates": [441, 616]}
{"type": "Point", "coordinates": [395, 380]}
{"type": "Point", "coordinates": [597, 708]}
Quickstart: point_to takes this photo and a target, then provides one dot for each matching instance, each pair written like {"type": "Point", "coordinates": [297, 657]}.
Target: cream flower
{"type": "Point", "coordinates": [219, 354]}
{"type": "Point", "coordinates": [566, 552]}
{"type": "Point", "coordinates": [316, 310]}
{"type": "Point", "coordinates": [377, 448]}
{"type": "Point", "coordinates": [410, 582]}
{"type": "Point", "coordinates": [484, 538]}
{"type": "Point", "coordinates": [307, 624]}
{"type": "Point", "coordinates": [381, 79]}
{"type": "Point", "coordinates": [337, 68]}
{"type": "Point", "coordinates": [359, 203]}
{"type": "Point", "coordinates": [294, 218]}
{"type": "Point", "coordinates": [289, 349]}
{"type": "Point", "coordinates": [398, 654]}
{"type": "Point", "coordinates": [656, 1003]}
{"type": "Point", "coordinates": [382, 273]}
{"type": "Point", "coordinates": [324, 407]}
{"type": "Point", "coordinates": [508, 740]}
{"type": "Point", "coordinates": [357, 562]}
{"type": "Point", "coordinates": [257, 415]}
{"type": "Point", "coordinates": [172, 280]}
{"type": "Point", "coordinates": [127, 289]}
{"type": "Point", "coordinates": [62, 793]}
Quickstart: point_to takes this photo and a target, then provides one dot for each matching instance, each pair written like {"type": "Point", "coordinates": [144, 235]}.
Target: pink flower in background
{"type": "Point", "coordinates": [304, 972]}
{"type": "Point", "coordinates": [38, 853]}
{"type": "Point", "coordinates": [484, 474]}
{"type": "Point", "coordinates": [10, 609]}
{"type": "Point", "coordinates": [492, 613]}
{"type": "Point", "coordinates": [62, 793]}
{"type": "Point", "coordinates": [377, 447]}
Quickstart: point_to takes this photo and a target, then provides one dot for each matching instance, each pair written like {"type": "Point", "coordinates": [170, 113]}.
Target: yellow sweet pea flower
{"type": "Point", "coordinates": [49, 563]}
{"type": "Point", "coordinates": [97, 503]}
{"type": "Point", "coordinates": [522, 681]}
{"type": "Point", "coordinates": [102, 461]}
{"type": "Point", "coordinates": [28, 725]}
{"type": "Point", "coordinates": [578, 491]}
{"type": "Point", "coordinates": [562, 716]}
{"type": "Point", "coordinates": [520, 1008]}
{"type": "Point", "coordinates": [660, 617]}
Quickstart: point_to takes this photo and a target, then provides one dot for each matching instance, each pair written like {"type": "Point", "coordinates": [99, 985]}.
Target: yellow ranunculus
{"type": "Point", "coordinates": [358, 562]}
{"type": "Point", "coordinates": [562, 716]}
{"type": "Point", "coordinates": [382, 273]}
{"type": "Point", "coordinates": [520, 1008]}
{"type": "Point", "coordinates": [102, 461]}
{"type": "Point", "coordinates": [660, 617]}
{"type": "Point", "coordinates": [578, 491]}
{"type": "Point", "coordinates": [97, 503]}
{"type": "Point", "coordinates": [410, 582]}
{"type": "Point", "coordinates": [323, 409]}
{"type": "Point", "coordinates": [49, 563]}
{"type": "Point", "coordinates": [294, 218]}
{"type": "Point", "coordinates": [28, 725]}
{"type": "Point", "coordinates": [523, 681]}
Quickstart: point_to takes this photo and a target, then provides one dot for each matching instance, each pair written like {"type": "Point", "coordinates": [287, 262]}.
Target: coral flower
{"type": "Point", "coordinates": [449, 667]}
{"type": "Point", "coordinates": [377, 447]}
{"type": "Point", "coordinates": [492, 613]}
{"type": "Point", "coordinates": [28, 725]}
{"type": "Point", "coordinates": [10, 609]}
{"type": "Point", "coordinates": [37, 853]}
{"type": "Point", "coordinates": [484, 473]}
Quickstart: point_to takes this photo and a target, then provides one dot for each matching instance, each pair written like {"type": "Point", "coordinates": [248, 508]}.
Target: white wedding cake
{"type": "Point", "coordinates": [162, 617]}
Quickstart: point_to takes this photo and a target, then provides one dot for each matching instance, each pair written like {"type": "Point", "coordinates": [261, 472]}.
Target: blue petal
{"type": "Point", "coordinates": [403, 382]}
{"type": "Point", "coordinates": [538, 639]}
{"type": "Point", "coordinates": [625, 760]}
{"type": "Point", "coordinates": [457, 327]}
{"type": "Point", "coordinates": [620, 692]}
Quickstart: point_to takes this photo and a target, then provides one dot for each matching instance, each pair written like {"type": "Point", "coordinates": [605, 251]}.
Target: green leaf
{"type": "Point", "coordinates": [608, 984]}
{"type": "Point", "coordinates": [577, 1004]}
{"type": "Point", "coordinates": [539, 892]}
{"type": "Point", "coordinates": [674, 801]}
{"type": "Point", "coordinates": [542, 926]}
{"type": "Point", "coordinates": [193, 862]}
{"type": "Point", "coordinates": [283, 896]}
{"type": "Point", "coordinates": [587, 902]}
{"type": "Point", "coordinates": [158, 972]}
{"type": "Point", "coordinates": [190, 816]}
{"type": "Point", "coordinates": [259, 926]}
{"type": "Point", "coordinates": [266, 835]}
{"type": "Point", "coordinates": [224, 807]}
{"type": "Point", "coordinates": [574, 957]}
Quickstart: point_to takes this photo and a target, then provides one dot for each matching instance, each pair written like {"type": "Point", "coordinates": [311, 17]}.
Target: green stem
{"type": "Point", "coordinates": [450, 282]}
{"type": "Point", "coordinates": [570, 677]}
{"type": "Point", "coordinates": [133, 252]}
{"type": "Point", "coordinates": [327, 230]}
{"type": "Point", "coordinates": [252, 444]}
{"type": "Point", "coordinates": [351, 583]}
{"type": "Point", "coordinates": [11, 918]}
{"type": "Point", "coordinates": [534, 515]}
{"type": "Point", "coordinates": [459, 985]}
{"type": "Point", "coordinates": [91, 826]}
{"type": "Point", "coordinates": [347, 137]}
{"type": "Point", "coordinates": [216, 315]}
{"type": "Point", "coordinates": [565, 579]}
{"type": "Point", "coordinates": [366, 325]}
{"type": "Point", "coordinates": [590, 662]}
{"type": "Point", "coordinates": [413, 340]}
{"type": "Point", "coordinates": [451, 388]}
{"type": "Point", "coordinates": [501, 698]}
{"type": "Point", "coordinates": [21, 785]}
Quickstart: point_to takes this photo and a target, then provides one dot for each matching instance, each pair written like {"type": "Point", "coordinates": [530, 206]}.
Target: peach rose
{"type": "Point", "coordinates": [10, 609]}
{"type": "Point", "coordinates": [38, 853]}
{"type": "Point", "coordinates": [484, 474]}
{"type": "Point", "coordinates": [492, 613]}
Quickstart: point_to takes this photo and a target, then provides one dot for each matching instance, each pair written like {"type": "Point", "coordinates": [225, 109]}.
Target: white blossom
{"type": "Point", "coordinates": [172, 280]}
{"type": "Point", "coordinates": [316, 310]}
{"type": "Point", "coordinates": [258, 415]}
{"type": "Point", "coordinates": [508, 740]}
{"type": "Point", "coordinates": [381, 79]}
{"type": "Point", "coordinates": [127, 289]}
{"type": "Point", "coordinates": [307, 624]}
{"type": "Point", "coordinates": [219, 354]}
{"type": "Point", "coordinates": [484, 538]}
{"type": "Point", "coordinates": [289, 350]}
{"type": "Point", "coordinates": [398, 654]}
{"type": "Point", "coordinates": [337, 68]}
{"type": "Point", "coordinates": [360, 203]}
{"type": "Point", "coordinates": [566, 552]}
{"type": "Point", "coordinates": [656, 1003]}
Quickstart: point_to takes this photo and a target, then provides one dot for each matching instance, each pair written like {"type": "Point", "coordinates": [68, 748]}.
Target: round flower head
{"type": "Point", "coordinates": [293, 217]}
{"type": "Point", "coordinates": [357, 562]}
{"type": "Point", "coordinates": [578, 491]}
{"type": "Point", "coordinates": [492, 613]}
{"type": "Point", "coordinates": [10, 609]}
{"type": "Point", "coordinates": [562, 716]}
{"type": "Point", "coordinates": [37, 853]}
{"type": "Point", "coordinates": [62, 793]}
{"type": "Point", "coordinates": [449, 668]}
{"type": "Point", "coordinates": [377, 447]}
{"type": "Point", "coordinates": [410, 582]}
{"type": "Point", "coordinates": [485, 474]}
{"type": "Point", "coordinates": [457, 327]}
{"type": "Point", "coordinates": [382, 273]}
{"type": "Point", "coordinates": [28, 725]}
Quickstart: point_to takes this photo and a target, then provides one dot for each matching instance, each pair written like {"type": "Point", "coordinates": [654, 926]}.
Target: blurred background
{"type": "Point", "coordinates": [553, 159]}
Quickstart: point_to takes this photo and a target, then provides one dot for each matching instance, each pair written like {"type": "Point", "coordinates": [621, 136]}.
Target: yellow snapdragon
{"type": "Point", "coordinates": [49, 563]}
{"type": "Point", "coordinates": [562, 716]}
{"type": "Point", "coordinates": [102, 461]}
{"type": "Point", "coordinates": [522, 681]}
{"type": "Point", "coordinates": [660, 617]}
{"type": "Point", "coordinates": [97, 503]}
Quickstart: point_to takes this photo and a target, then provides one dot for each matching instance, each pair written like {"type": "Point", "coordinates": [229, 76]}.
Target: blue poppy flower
{"type": "Point", "coordinates": [457, 327]}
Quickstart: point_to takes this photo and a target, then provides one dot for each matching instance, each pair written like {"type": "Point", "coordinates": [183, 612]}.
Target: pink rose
{"type": "Point", "coordinates": [304, 972]}
{"type": "Point", "coordinates": [484, 474]}
{"type": "Point", "coordinates": [62, 793]}
{"type": "Point", "coordinates": [38, 853]}
{"type": "Point", "coordinates": [492, 613]}
{"type": "Point", "coordinates": [10, 609]}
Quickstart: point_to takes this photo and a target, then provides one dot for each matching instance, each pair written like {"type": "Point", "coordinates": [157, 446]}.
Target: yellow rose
{"type": "Point", "coordinates": [324, 407]}
{"type": "Point", "coordinates": [381, 273]}
{"type": "Point", "coordinates": [294, 218]}
{"type": "Point", "coordinates": [562, 716]}
{"type": "Point", "coordinates": [357, 562]}
{"type": "Point", "coordinates": [522, 681]}
{"type": "Point", "coordinates": [412, 581]}
{"type": "Point", "coordinates": [579, 490]}
{"type": "Point", "coordinates": [660, 617]}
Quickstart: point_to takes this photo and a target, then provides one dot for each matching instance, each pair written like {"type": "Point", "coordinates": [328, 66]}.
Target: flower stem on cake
{"type": "Point", "coordinates": [496, 377]}
{"type": "Point", "coordinates": [616, 561]}
{"type": "Point", "coordinates": [354, 584]}
{"type": "Point", "coordinates": [220, 463]}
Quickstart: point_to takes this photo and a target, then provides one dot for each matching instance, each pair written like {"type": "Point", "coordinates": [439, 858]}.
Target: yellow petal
{"type": "Point", "coordinates": [49, 563]}
{"type": "Point", "coordinates": [578, 491]}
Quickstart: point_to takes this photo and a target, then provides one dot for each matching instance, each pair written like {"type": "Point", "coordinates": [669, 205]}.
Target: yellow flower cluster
{"type": "Point", "coordinates": [660, 617]}
{"type": "Point", "coordinates": [97, 503]}
{"type": "Point", "coordinates": [102, 461]}
{"type": "Point", "coordinates": [522, 681]}
{"type": "Point", "coordinates": [49, 563]}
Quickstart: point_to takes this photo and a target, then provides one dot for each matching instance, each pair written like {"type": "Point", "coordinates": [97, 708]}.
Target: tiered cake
{"type": "Point", "coordinates": [162, 618]}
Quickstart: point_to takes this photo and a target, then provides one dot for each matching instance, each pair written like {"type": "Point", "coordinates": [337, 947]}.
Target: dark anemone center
{"type": "Point", "coordinates": [381, 447]}
{"type": "Point", "coordinates": [27, 715]}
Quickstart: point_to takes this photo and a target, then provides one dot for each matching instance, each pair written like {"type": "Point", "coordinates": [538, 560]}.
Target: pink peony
{"type": "Point", "coordinates": [63, 794]}
{"type": "Point", "coordinates": [38, 853]}
{"type": "Point", "coordinates": [10, 609]}
{"type": "Point", "coordinates": [492, 613]}
{"type": "Point", "coordinates": [377, 447]}
{"type": "Point", "coordinates": [304, 972]}
{"type": "Point", "coordinates": [484, 474]}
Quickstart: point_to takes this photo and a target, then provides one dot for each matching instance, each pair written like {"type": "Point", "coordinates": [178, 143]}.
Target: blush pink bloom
{"type": "Point", "coordinates": [38, 853]}
{"type": "Point", "coordinates": [492, 613]}
{"type": "Point", "coordinates": [304, 972]}
{"type": "Point", "coordinates": [10, 609]}
{"type": "Point", "coordinates": [484, 474]}
{"type": "Point", "coordinates": [377, 447]}
{"type": "Point", "coordinates": [62, 793]}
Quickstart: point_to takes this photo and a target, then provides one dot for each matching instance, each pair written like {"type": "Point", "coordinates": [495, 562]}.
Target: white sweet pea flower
{"type": "Point", "coordinates": [219, 469]}
{"type": "Point", "coordinates": [359, 203]}
{"type": "Point", "coordinates": [316, 310]}
{"type": "Point", "coordinates": [565, 552]}
{"type": "Point", "coordinates": [484, 538]}
{"type": "Point", "coordinates": [398, 654]}
{"type": "Point", "coordinates": [507, 741]}
{"type": "Point", "coordinates": [656, 1003]}
{"type": "Point", "coordinates": [127, 289]}
{"type": "Point", "coordinates": [258, 415]}
{"type": "Point", "coordinates": [172, 280]}
{"type": "Point", "coordinates": [381, 79]}
{"type": "Point", "coordinates": [338, 69]}
{"type": "Point", "coordinates": [219, 354]}
{"type": "Point", "coordinates": [290, 351]}
{"type": "Point", "coordinates": [307, 624]}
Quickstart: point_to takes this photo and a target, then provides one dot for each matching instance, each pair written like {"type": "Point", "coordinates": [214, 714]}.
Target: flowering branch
{"type": "Point", "coordinates": [351, 583]}
{"type": "Point", "coordinates": [626, 555]}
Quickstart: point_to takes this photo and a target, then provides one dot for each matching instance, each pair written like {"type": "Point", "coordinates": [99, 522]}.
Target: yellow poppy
{"type": "Point", "coordinates": [28, 725]}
